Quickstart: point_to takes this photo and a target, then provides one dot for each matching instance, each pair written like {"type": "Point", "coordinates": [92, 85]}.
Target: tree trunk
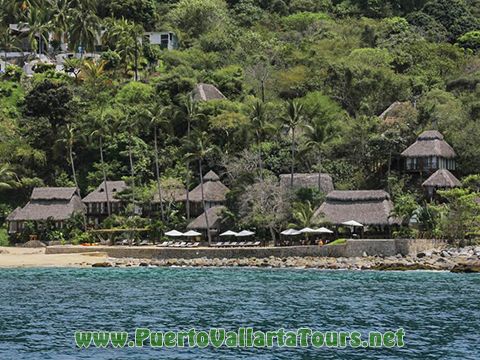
{"type": "Point", "coordinates": [72, 164]}
{"type": "Point", "coordinates": [157, 168]}
{"type": "Point", "coordinates": [293, 157]}
{"type": "Point", "coordinates": [262, 87]}
{"type": "Point", "coordinates": [209, 236]}
{"type": "Point", "coordinates": [319, 171]}
{"type": "Point", "coordinates": [187, 205]}
{"type": "Point", "coordinates": [132, 174]}
{"type": "Point", "coordinates": [274, 238]}
{"type": "Point", "coordinates": [109, 208]}
{"type": "Point", "coordinates": [136, 64]}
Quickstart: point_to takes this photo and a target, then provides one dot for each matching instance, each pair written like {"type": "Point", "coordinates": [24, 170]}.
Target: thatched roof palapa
{"type": "Point", "coordinates": [99, 195]}
{"type": "Point", "coordinates": [309, 181]}
{"type": "Point", "coordinates": [55, 203]}
{"type": "Point", "coordinates": [369, 207]}
{"type": "Point", "coordinates": [214, 215]}
{"type": "Point", "coordinates": [430, 143]}
{"type": "Point", "coordinates": [442, 179]}
{"type": "Point", "coordinates": [213, 189]}
{"type": "Point", "coordinates": [206, 92]}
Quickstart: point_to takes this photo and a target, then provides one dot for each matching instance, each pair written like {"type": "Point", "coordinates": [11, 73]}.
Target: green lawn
{"type": "Point", "coordinates": [338, 242]}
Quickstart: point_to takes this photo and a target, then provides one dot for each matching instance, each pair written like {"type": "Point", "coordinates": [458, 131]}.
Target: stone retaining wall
{"type": "Point", "coordinates": [352, 248]}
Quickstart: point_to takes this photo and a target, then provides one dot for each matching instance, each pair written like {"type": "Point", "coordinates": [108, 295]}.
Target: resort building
{"type": "Point", "coordinates": [214, 215]}
{"type": "Point", "coordinates": [308, 181]}
{"type": "Point", "coordinates": [166, 39]}
{"type": "Point", "coordinates": [206, 92]}
{"type": "Point", "coordinates": [96, 201]}
{"type": "Point", "coordinates": [214, 193]}
{"type": "Point", "coordinates": [57, 204]}
{"type": "Point", "coordinates": [440, 180]}
{"type": "Point", "coordinates": [429, 153]}
{"type": "Point", "coordinates": [371, 208]}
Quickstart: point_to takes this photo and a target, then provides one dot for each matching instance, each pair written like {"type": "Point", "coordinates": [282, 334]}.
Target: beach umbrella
{"type": "Point", "coordinates": [229, 233]}
{"type": "Point", "coordinates": [323, 230]}
{"type": "Point", "coordinates": [174, 233]}
{"type": "Point", "coordinates": [352, 223]}
{"type": "Point", "coordinates": [245, 233]}
{"type": "Point", "coordinates": [290, 232]}
{"type": "Point", "coordinates": [307, 230]}
{"type": "Point", "coordinates": [192, 233]}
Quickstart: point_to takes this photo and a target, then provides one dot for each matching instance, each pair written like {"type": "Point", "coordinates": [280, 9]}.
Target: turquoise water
{"type": "Point", "coordinates": [41, 309]}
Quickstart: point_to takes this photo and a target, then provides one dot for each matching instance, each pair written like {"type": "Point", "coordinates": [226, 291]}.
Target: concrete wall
{"type": "Point", "coordinates": [353, 248]}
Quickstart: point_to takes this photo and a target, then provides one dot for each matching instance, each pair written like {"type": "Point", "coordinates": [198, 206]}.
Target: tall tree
{"type": "Point", "coordinates": [200, 149]}
{"type": "Point", "coordinates": [83, 30]}
{"type": "Point", "coordinates": [293, 118]}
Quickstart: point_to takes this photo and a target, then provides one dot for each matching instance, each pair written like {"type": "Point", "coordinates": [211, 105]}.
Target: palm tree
{"type": "Point", "coordinates": [38, 26]}
{"type": "Point", "coordinates": [127, 37]}
{"type": "Point", "coordinates": [200, 149]}
{"type": "Point", "coordinates": [102, 127]}
{"type": "Point", "coordinates": [7, 177]}
{"type": "Point", "coordinates": [83, 30]}
{"type": "Point", "coordinates": [318, 134]}
{"type": "Point", "coordinates": [259, 124]}
{"type": "Point", "coordinates": [69, 139]}
{"type": "Point", "coordinates": [7, 40]}
{"type": "Point", "coordinates": [157, 119]}
{"type": "Point", "coordinates": [93, 70]}
{"type": "Point", "coordinates": [292, 120]}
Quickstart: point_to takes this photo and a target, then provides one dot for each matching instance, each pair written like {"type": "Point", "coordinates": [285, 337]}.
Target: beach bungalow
{"type": "Point", "coordinates": [308, 181]}
{"type": "Point", "coordinates": [214, 193]}
{"type": "Point", "coordinates": [166, 39]}
{"type": "Point", "coordinates": [440, 180]}
{"type": "Point", "coordinates": [371, 208]}
{"type": "Point", "coordinates": [206, 92]}
{"type": "Point", "coordinates": [96, 201]}
{"type": "Point", "coordinates": [429, 153]}
{"type": "Point", "coordinates": [214, 215]}
{"type": "Point", "coordinates": [47, 203]}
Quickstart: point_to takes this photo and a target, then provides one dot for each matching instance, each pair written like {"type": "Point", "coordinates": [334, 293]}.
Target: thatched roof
{"type": "Point", "coordinates": [308, 181]}
{"type": "Point", "coordinates": [214, 190]}
{"type": "Point", "coordinates": [48, 203]}
{"type": "Point", "coordinates": [53, 193]}
{"type": "Point", "coordinates": [214, 215]}
{"type": "Point", "coordinates": [365, 206]}
{"type": "Point", "coordinates": [99, 195]}
{"type": "Point", "coordinates": [430, 143]}
{"type": "Point", "coordinates": [206, 92]}
{"type": "Point", "coordinates": [442, 179]}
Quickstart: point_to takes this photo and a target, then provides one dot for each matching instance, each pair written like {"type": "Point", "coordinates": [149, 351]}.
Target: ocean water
{"type": "Point", "coordinates": [40, 309]}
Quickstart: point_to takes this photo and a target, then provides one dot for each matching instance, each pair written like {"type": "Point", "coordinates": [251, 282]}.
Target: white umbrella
{"type": "Point", "coordinates": [290, 232]}
{"type": "Point", "coordinates": [245, 233]}
{"type": "Point", "coordinates": [174, 233]}
{"type": "Point", "coordinates": [323, 230]}
{"type": "Point", "coordinates": [352, 223]}
{"type": "Point", "coordinates": [307, 230]}
{"type": "Point", "coordinates": [229, 233]}
{"type": "Point", "coordinates": [192, 233]}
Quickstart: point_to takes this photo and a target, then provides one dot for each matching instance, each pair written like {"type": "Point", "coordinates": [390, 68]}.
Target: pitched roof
{"type": "Point", "coordinates": [308, 181]}
{"type": "Point", "coordinates": [99, 194]}
{"type": "Point", "coordinates": [53, 193]}
{"type": "Point", "coordinates": [366, 207]}
{"type": "Point", "coordinates": [46, 204]}
{"type": "Point", "coordinates": [442, 179]}
{"type": "Point", "coordinates": [211, 176]}
{"type": "Point", "coordinates": [213, 190]}
{"type": "Point", "coordinates": [430, 143]}
{"type": "Point", "coordinates": [214, 215]}
{"type": "Point", "coordinates": [206, 92]}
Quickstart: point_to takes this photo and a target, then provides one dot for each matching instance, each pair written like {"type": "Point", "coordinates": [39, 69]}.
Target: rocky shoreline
{"type": "Point", "coordinates": [465, 259]}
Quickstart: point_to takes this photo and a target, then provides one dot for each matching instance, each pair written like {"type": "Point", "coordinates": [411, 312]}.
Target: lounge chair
{"type": "Point", "coordinates": [242, 243]}
{"type": "Point", "coordinates": [144, 243]}
{"type": "Point", "coordinates": [125, 242]}
{"type": "Point", "coordinates": [256, 243]}
{"type": "Point", "coordinates": [183, 244]}
{"type": "Point", "coordinates": [195, 244]}
{"type": "Point", "coordinates": [226, 243]}
{"type": "Point", "coordinates": [219, 244]}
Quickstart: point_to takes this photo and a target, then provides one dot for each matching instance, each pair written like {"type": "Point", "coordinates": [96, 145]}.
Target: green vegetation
{"type": "Point", "coordinates": [4, 237]}
{"type": "Point", "coordinates": [304, 80]}
{"type": "Point", "coordinates": [338, 242]}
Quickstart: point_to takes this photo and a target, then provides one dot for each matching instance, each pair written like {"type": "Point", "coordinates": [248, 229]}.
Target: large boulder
{"type": "Point", "coordinates": [34, 244]}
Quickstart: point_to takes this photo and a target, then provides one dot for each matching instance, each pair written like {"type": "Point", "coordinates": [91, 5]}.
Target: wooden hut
{"type": "Point", "coordinates": [214, 193]}
{"type": "Point", "coordinates": [429, 153]}
{"type": "Point", "coordinates": [214, 215]}
{"type": "Point", "coordinates": [371, 208]}
{"type": "Point", "coordinates": [47, 203]}
{"type": "Point", "coordinates": [441, 179]}
{"type": "Point", "coordinates": [96, 201]}
{"type": "Point", "coordinates": [308, 181]}
{"type": "Point", "coordinates": [206, 92]}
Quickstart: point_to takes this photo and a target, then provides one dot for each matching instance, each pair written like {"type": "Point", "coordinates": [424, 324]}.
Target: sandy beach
{"type": "Point", "coordinates": [28, 257]}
